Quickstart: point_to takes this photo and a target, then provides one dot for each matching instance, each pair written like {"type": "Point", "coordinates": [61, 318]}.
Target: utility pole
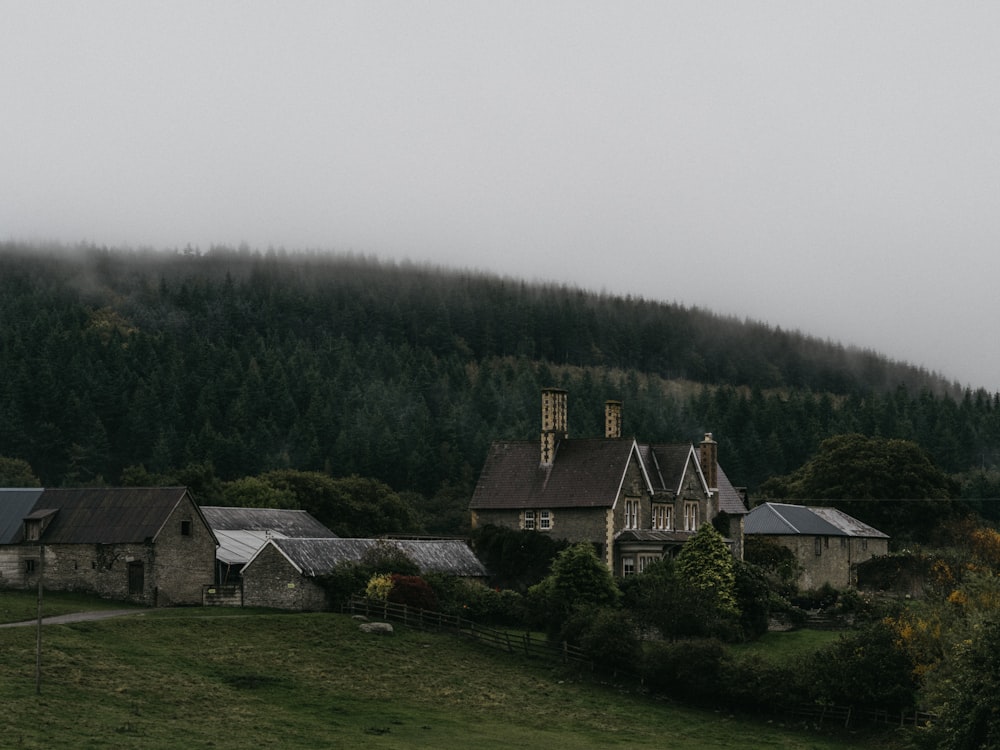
{"type": "Point", "coordinates": [38, 635]}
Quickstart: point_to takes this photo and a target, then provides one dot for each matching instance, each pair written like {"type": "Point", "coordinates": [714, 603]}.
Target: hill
{"type": "Point", "coordinates": [123, 364]}
{"type": "Point", "coordinates": [232, 679]}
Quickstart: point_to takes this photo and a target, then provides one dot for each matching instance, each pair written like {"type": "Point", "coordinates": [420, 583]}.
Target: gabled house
{"type": "Point", "coordinates": [148, 545]}
{"type": "Point", "coordinates": [282, 573]}
{"type": "Point", "coordinates": [243, 531]}
{"type": "Point", "coordinates": [827, 543]}
{"type": "Point", "coordinates": [635, 502]}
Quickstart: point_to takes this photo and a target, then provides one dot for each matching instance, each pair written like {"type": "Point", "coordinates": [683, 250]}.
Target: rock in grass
{"type": "Point", "coordinates": [380, 628]}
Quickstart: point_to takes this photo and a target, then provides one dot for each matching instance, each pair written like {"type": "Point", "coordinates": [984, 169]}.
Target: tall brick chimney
{"type": "Point", "coordinates": [708, 455]}
{"type": "Point", "coordinates": [553, 422]}
{"type": "Point", "coordinates": [612, 419]}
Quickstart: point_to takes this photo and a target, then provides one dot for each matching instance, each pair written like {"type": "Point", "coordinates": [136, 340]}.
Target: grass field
{"type": "Point", "coordinates": [196, 678]}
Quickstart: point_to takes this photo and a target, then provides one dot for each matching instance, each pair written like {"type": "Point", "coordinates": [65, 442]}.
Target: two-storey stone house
{"type": "Point", "coordinates": [635, 502]}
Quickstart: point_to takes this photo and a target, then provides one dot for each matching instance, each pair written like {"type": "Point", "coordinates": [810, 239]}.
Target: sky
{"type": "Point", "coordinates": [826, 167]}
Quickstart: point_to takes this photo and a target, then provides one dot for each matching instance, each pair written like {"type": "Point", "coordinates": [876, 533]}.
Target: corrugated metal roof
{"type": "Point", "coordinates": [237, 546]}
{"type": "Point", "coordinates": [15, 504]}
{"type": "Point", "coordinates": [314, 557]}
{"type": "Point", "coordinates": [288, 522]}
{"type": "Point", "coordinates": [783, 519]}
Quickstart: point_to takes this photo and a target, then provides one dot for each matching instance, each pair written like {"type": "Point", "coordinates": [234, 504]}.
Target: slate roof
{"type": "Point", "coordinates": [780, 519]}
{"type": "Point", "coordinates": [287, 522]}
{"type": "Point", "coordinates": [585, 473]}
{"type": "Point", "coordinates": [312, 557]}
{"type": "Point", "coordinates": [15, 504]}
{"type": "Point", "coordinates": [106, 515]}
{"type": "Point", "coordinates": [243, 531]}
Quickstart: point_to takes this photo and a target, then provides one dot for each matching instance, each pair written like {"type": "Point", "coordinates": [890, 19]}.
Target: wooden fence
{"type": "Point", "coordinates": [529, 644]}
{"type": "Point", "coordinates": [534, 646]}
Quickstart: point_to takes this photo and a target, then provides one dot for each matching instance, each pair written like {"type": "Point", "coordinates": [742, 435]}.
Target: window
{"type": "Point", "coordinates": [185, 528]}
{"type": "Point", "coordinates": [690, 516]}
{"type": "Point", "coordinates": [663, 517]}
{"type": "Point", "coordinates": [29, 566]}
{"type": "Point", "coordinates": [628, 566]}
{"type": "Point", "coordinates": [544, 520]}
{"type": "Point", "coordinates": [819, 546]}
{"type": "Point", "coordinates": [646, 560]}
{"type": "Point", "coordinates": [631, 514]}
{"type": "Point", "coordinates": [529, 519]}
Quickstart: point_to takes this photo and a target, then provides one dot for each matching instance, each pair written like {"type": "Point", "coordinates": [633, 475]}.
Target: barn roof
{"type": "Point", "coordinates": [313, 557]}
{"type": "Point", "coordinates": [287, 522]}
{"type": "Point", "coordinates": [778, 519]}
{"type": "Point", "coordinates": [15, 504]}
{"type": "Point", "coordinates": [108, 515]}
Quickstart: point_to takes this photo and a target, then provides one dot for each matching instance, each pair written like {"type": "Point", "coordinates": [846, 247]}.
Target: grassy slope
{"type": "Point", "coordinates": [228, 679]}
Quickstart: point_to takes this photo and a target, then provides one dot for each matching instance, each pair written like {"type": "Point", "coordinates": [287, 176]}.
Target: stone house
{"type": "Point", "coordinates": [146, 545]}
{"type": "Point", "coordinates": [827, 543]}
{"type": "Point", "coordinates": [282, 573]}
{"type": "Point", "coordinates": [635, 502]}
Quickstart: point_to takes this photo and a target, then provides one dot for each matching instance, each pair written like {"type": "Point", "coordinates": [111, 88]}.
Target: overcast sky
{"type": "Point", "coordinates": [831, 167]}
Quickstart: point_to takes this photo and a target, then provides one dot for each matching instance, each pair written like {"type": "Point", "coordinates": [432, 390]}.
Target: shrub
{"type": "Point", "coordinates": [690, 670]}
{"type": "Point", "coordinates": [344, 581]}
{"type": "Point", "coordinates": [413, 591]}
{"type": "Point", "coordinates": [379, 586]}
{"type": "Point", "coordinates": [610, 640]}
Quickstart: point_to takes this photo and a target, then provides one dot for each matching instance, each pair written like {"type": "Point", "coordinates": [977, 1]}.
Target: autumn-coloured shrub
{"type": "Point", "coordinates": [413, 591]}
{"type": "Point", "coordinates": [379, 587]}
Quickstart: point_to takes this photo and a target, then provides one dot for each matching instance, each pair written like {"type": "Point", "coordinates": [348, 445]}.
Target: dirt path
{"type": "Point", "coordinates": [74, 617]}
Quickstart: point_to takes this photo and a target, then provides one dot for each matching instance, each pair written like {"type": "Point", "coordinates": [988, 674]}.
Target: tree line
{"type": "Point", "coordinates": [233, 364]}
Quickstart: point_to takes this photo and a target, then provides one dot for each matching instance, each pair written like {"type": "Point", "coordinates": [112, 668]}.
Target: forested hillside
{"type": "Point", "coordinates": [238, 362]}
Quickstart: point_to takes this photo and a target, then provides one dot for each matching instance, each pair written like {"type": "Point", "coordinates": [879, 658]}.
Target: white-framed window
{"type": "Point", "coordinates": [690, 516]}
{"type": "Point", "coordinates": [631, 514]}
{"type": "Point", "coordinates": [646, 560]}
{"type": "Point", "coordinates": [628, 566]}
{"type": "Point", "coordinates": [538, 520]}
{"type": "Point", "coordinates": [663, 517]}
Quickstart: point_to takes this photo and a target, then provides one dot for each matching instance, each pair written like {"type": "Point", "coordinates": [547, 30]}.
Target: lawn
{"type": "Point", "coordinates": [194, 678]}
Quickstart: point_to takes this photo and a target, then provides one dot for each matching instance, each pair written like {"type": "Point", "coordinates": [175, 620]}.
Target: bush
{"type": "Point", "coordinates": [412, 591]}
{"type": "Point", "coordinates": [691, 671]}
{"type": "Point", "coordinates": [378, 588]}
{"type": "Point", "coordinates": [610, 640]}
{"type": "Point", "coordinates": [344, 581]}
{"type": "Point", "coordinates": [474, 601]}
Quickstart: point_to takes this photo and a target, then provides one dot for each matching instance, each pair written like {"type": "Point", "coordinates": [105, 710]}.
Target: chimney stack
{"type": "Point", "coordinates": [553, 422]}
{"type": "Point", "coordinates": [708, 454]}
{"type": "Point", "coordinates": [612, 419]}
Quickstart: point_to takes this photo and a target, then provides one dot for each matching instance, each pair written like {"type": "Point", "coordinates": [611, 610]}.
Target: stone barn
{"type": "Point", "coordinates": [283, 572]}
{"type": "Point", "coordinates": [146, 545]}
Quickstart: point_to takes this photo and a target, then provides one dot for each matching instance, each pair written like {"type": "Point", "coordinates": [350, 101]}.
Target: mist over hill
{"type": "Point", "coordinates": [240, 362]}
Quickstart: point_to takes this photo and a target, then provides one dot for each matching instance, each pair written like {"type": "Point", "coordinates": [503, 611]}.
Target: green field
{"type": "Point", "coordinates": [196, 678]}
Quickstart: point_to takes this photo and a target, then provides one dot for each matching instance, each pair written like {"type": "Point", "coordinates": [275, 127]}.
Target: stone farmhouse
{"type": "Point", "coordinates": [635, 502]}
{"type": "Point", "coordinates": [827, 543]}
{"type": "Point", "coordinates": [148, 545]}
{"type": "Point", "coordinates": [283, 572]}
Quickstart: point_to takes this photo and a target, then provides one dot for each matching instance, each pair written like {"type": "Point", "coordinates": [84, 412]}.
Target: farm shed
{"type": "Point", "coordinates": [282, 573]}
{"type": "Point", "coordinates": [827, 543]}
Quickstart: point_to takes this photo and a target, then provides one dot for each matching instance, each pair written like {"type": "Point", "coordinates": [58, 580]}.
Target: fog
{"type": "Point", "coordinates": [827, 167]}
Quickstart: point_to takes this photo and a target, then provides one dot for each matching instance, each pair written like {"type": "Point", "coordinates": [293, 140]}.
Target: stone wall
{"type": "Point", "coordinates": [269, 580]}
{"type": "Point", "coordinates": [829, 559]}
{"type": "Point", "coordinates": [185, 557]}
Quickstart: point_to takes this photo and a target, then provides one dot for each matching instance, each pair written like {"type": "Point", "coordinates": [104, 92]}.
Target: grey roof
{"type": "Point", "coordinates": [730, 498]}
{"type": "Point", "coordinates": [777, 519]}
{"type": "Point", "coordinates": [237, 546]}
{"type": "Point", "coordinates": [15, 504]}
{"type": "Point", "coordinates": [287, 522]}
{"type": "Point", "coordinates": [107, 515]}
{"type": "Point", "coordinates": [313, 557]}
{"type": "Point", "coordinates": [585, 473]}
